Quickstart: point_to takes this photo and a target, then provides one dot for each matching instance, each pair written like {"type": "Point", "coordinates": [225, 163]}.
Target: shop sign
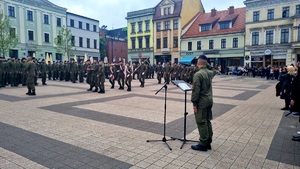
{"type": "Point", "coordinates": [279, 57]}
{"type": "Point", "coordinates": [256, 59]}
{"type": "Point", "coordinates": [268, 52]}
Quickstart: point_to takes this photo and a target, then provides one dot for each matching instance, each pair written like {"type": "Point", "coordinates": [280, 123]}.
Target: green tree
{"type": "Point", "coordinates": [8, 38]}
{"type": "Point", "coordinates": [102, 43]}
{"type": "Point", "coordinates": [64, 42]}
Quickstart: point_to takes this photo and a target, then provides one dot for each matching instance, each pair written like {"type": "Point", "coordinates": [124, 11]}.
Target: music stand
{"type": "Point", "coordinates": [184, 87]}
{"type": "Point", "coordinates": [165, 119]}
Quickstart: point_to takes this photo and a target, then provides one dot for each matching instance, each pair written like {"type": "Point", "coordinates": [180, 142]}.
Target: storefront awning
{"type": "Point", "coordinates": [188, 60]}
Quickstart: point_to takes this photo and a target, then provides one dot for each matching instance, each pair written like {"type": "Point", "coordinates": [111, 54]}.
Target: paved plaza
{"type": "Point", "coordinates": [65, 126]}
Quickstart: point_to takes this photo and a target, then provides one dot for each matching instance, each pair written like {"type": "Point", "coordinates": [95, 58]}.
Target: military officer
{"type": "Point", "coordinates": [43, 71]}
{"type": "Point", "coordinates": [101, 77]}
{"type": "Point", "coordinates": [142, 73]}
{"type": "Point", "coordinates": [167, 73]}
{"type": "Point", "coordinates": [30, 70]}
{"type": "Point", "coordinates": [120, 72]}
{"type": "Point", "coordinates": [112, 75]}
{"type": "Point", "coordinates": [49, 69]}
{"type": "Point", "coordinates": [159, 72]}
{"type": "Point", "coordinates": [89, 70]}
{"type": "Point", "coordinates": [13, 72]}
{"type": "Point", "coordinates": [202, 100]}
{"type": "Point", "coordinates": [94, 75]}
{"type": "Point", "coordinates": [128, 77]}
{"type": "Point", "coordinates": [73, 71]}
{"type": "Point", "coordinates": [81, 72]}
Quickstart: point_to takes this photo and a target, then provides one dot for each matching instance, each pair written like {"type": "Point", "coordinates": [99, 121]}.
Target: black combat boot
{"type": "Point", "coordinates": [29, 92]}
{"type": "Point", "coordinates": [129, 89]}
{"type": "Point", "coordinates": [32, 93]}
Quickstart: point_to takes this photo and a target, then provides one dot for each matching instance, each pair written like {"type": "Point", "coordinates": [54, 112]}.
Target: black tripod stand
{"type": "Point", "coordinates": [165, 118]}
{"type": "Point", "coordinates": [184, 140]}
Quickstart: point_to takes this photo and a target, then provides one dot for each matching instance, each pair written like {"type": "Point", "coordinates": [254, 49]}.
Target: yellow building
{"type": "Point", "coordinates": [272, 29]}
{"type": "Point", "coordinates": [140, 35]}
{"type": "Point", "coordinates": [219, 35]}
{"type": "Point", "coordinates": [169, 18]}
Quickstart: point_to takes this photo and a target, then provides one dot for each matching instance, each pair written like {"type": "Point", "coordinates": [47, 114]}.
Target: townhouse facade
{"type": "Point", "coordinates": [140, 35]}
{"type": "Point", "coordinates": [85, 36]}
{"type": "Point", "coordinates": [219, 35]}
{"type": "Point", "coordinates": [272, 32]}
{"type": "Point", "coordinates": [36, 24]}
{"type": "Point", "coordinates": [169, 18]}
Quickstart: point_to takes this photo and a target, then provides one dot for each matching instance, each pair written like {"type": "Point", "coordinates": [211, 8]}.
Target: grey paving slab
{"type": "Point", "coordinates": [283, 149]}
{"type": "Point", "coordinates": [49, 152]}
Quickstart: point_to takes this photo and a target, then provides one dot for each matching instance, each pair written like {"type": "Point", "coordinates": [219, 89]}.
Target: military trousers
{"type": "Point", "coordinates": [128, 81]}
{"type": "Point", "coordinates": [121, 80]}
{"type": "Point", "coordinates": [30, 83]}
{"type": "Point", "coordinates": [142, 78]}
{"type": "Point", "coordinates": [44, 75]}
{"type": "Point", "coordinates": [159, 77]}
{"type": "Point", "coordinates": [203, 119]}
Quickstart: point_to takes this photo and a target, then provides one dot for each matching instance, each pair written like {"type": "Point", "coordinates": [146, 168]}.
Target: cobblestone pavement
{"type": "Point", "coordinates": [65, 126]}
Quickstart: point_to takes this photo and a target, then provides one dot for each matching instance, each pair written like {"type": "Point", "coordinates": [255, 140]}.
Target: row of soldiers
{"type": "Point", "coordinates": [175, 72]}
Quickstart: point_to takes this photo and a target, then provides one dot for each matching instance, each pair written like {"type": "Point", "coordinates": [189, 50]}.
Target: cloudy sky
{"type": "Point", "coordinates": [113, 12]}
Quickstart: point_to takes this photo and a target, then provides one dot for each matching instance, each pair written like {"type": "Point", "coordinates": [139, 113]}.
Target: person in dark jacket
{"type": "Point", "coordinates": [295, 93]}
{"type": "Point", "coordinates": [286, 82]}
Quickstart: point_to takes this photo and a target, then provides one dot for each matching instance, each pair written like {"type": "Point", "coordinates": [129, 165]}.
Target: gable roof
{"type": "Point", "coordinates": [237, 18]}
{"type": "Point", "coordinates": [176, 13]}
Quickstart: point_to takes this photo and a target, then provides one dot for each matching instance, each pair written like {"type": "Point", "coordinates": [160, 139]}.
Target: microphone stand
{"type": "Point", "coordinates": [165, 118]}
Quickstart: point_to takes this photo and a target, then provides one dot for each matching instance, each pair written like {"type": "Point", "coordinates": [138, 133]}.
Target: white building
{"type": "Point", "coordinates": [85, 36]}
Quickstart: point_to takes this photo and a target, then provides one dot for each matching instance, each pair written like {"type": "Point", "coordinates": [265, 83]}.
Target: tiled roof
{"type": "Point", "coordinates": [176, 13]}
{"type": "Point", "coordinates": [238, 19]}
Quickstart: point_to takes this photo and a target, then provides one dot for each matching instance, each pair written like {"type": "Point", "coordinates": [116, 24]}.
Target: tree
{"type": "Point", "coordinates": [63, 41]}
{"type": "Point", "coordinates": [102, 42]}
{"type": "Point", "coordinates": [8, 38]}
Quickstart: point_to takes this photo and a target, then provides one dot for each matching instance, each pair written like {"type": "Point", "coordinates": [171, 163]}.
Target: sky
{"type": "Point", "coordinates": [113, 12]}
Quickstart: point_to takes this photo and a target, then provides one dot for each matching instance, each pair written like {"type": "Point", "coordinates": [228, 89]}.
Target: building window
{"type": "Point", "coordinates": [223, 43]}
{"type": "Point", "coordinates": [30, 35]}
{"type": "Point", "coordinates": [175, 41]}
{"type": "Point", "coordinates": [199, 45]}
{"type": "Point", "coordinates": [147, 41]}
{"type": "Point", "coordinates": [286, 12]}
{"type": "Point", "coordinates": [284, 36]}
{"type": "Point", "coordinates": [167, 11]}
{"type": "Point", "coordinates": [58, 56]}
{"type": "Point", "coordinates": [190, 46]}
{"type": "Point", "coordinates": [133, 43]}
{"type": "Point", "coordinates": [235, 43]}
{"type": "Point", "coordinates": [211, 44]}
{"type": "Point", "coordinates": [11, 11]}
{"type": "Point", "coordinates": [165, 45]}
{"type": "Point", "coordinates": [158, 26]}
{"type": "Point", "coordinates": [72, 23]}
{"type": "Point", "coordinates": [175, 24]}
{"type": "Point", "coordinates": [80, 42]}
{"type": "Point", "coordinates": [87, 26]}
{"type": "Point", "coordinates": [12, 32]}
{"type": "Point", "coordinates": [46, 36]}
{"type": "Point", "coordinates": [132, 27]}
{"type": "Point", "coordinates": [256, 16]}
{"type": "Point", "coordinates": [297, 9]}
{"type": "Point", "coordinates": [205, 27]}
{"type": "Point", "coordinates": [269, 37]}
{"type": "Point", "coordinates": [73, 41]}
{"type": "Point", "coordinates": [88, 43]}
{"type": "Point", "coordinates": [147, 25]}
{"type": "Point", "coordinates": [46, 19]}
{"type": "Point", "coordinates": [255, 38]}
{"type": "Point", "coordinates": [140, 25]}
{"type": "Point", "coordinates": [79, 24]}
{"type": "Point", "coordinates": [158, 43]}
{"type": "Point", "coordinates": [224, 25]}
{"type": "Point", "coordinates": [95, 44]}
{"type": "Point", "coordinates": [140, 42]}
{"type": "Point", "coordinates": [299, 33]}
{"type": "Point", "coordinates": [167, 25]}
{"type": "Point", "coordinates": [29, 15]}
{"type": "Point", "coordinates": [95, 28]}
{"type": "Point", "coordinates": [58, 22]}
{"type": "Point", "coordinates": [270, 14]}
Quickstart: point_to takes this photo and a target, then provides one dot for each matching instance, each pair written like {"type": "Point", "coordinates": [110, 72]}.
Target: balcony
{"type": "Point", "coordinates": [141, 50]}
{"type": "Point", "coordinates": [165, 50]}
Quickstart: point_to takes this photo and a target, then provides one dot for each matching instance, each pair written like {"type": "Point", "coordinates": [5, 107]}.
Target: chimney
{"type": "Point", "coordinates": [213, 12]}
{"type": "Point", "coordinates": [231, 10]}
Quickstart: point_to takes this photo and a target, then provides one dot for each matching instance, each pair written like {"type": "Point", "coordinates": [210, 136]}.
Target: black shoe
{"type": "Point", "coordinates": [101, 91]}
{"type": "Point", "coordinates": [296, 139]}
{"type": "Point", "coordinates": [28, 93]}
{"type": "Point", "coordinates": [199, 147]}
{"type": "Point", "coordinates": [129, 89]}
{"type": "Point", "coordinates": [208, 147]}
{"type": "Point", "coordinates": [44, 84]}
{"type": "Point", "coordinates": [112, 87]}
{"type": "Point", "coordinates": [285, 108]}
{"type": "Point", "coordinates": [32, 94]}
{"type": "Point", "coordinates": [121, 88]}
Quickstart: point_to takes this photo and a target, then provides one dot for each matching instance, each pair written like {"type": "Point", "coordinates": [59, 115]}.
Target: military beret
{"type": "Point", "coordinates": [202, 57]}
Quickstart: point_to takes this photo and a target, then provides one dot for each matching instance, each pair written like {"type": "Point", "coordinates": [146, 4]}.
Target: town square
{"type": "Point", "coordinates": [149, 84]}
